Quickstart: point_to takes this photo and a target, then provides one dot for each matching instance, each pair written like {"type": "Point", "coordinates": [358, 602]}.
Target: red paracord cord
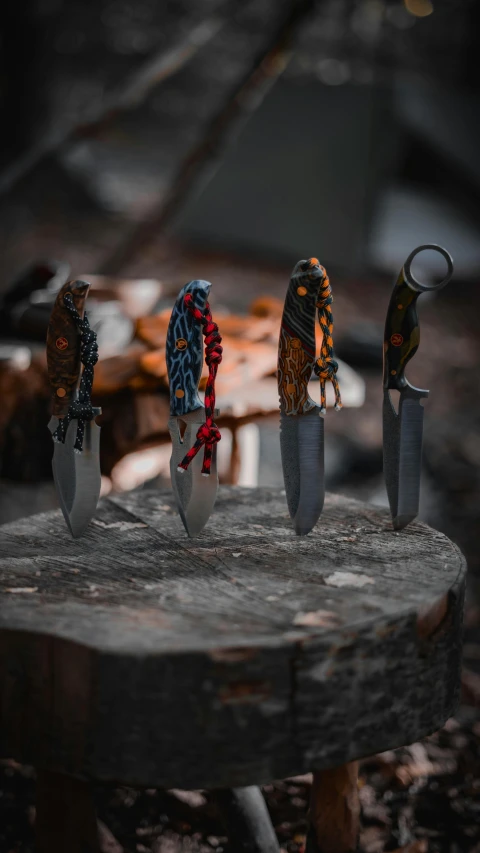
{"type": "Point", "coordinates": [208, 434]}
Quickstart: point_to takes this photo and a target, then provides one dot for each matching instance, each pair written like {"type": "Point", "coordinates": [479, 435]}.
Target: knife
{"type": "Point", "coordinates": [76, 435]}
{"type": "Point", "coordinates": [301, 419]}
{"type": "Point", "coordinates": [194, 482]}
{"type": "Point", "coordinates": [403, 429]}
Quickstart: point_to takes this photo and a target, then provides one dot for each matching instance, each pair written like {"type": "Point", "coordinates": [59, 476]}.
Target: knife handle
{"type": "Point", "coordinates": [184, 350]}
{"type": "Point", "coordinates": [63, 347]}
{"type": "Point", "coordinates": [402, 330]}
{"type": "Point", "coordinates": [296, 348]}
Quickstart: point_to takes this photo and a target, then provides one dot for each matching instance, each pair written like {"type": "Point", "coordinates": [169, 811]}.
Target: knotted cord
{"type": "Point", "coordinates": [326, 367]}
{"type": "Point", "coordinates": [81, 409]}
{"type": "Point", "coordinates": [208, 433]}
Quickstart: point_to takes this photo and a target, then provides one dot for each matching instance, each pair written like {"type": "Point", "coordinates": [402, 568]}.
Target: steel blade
{"type": "Point", "coordinates": [77, 475]}
{"type": "Point", "coordinates": [195, 493]}
{"type": "Point", "coordinates": [402, 454]}
{"type": "Point", "coordinates": [302, 447]}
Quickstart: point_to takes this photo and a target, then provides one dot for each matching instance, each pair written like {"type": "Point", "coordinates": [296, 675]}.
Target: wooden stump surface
{"type": "Point", "coordinates": [134, 654]}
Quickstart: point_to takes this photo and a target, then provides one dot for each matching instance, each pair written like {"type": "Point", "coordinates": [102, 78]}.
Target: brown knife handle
{"type": "Point", "coordinates": [63, 347]}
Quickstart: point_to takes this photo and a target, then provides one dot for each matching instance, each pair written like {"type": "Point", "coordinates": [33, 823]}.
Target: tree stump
{"type": "Point", "coordinates": [249, 654]}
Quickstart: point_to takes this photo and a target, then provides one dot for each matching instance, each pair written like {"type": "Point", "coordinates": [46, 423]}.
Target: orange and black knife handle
{"type": "Point", "coordinates": [296, 348]}
{"type": "Point", "coordinates": [402, 330]}
{"type": "Point", "coordinates": [63, 347]}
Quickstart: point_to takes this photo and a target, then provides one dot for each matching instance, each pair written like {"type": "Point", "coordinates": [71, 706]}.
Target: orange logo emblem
{"type": "Point", "coordinates": [396, 340]}
{"type": "Point", "coordinates": [181, 344]}
{"type": "Point", "coordinates": [61, 343]}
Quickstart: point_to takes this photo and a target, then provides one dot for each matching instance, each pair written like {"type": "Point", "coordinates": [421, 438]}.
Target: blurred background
{"type": "Point", "coordinates": [148, 143]}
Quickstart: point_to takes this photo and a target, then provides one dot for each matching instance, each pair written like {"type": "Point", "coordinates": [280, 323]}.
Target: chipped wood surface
{"type": "Point", "coordinates": [228, 660]}
{"type": "Point", "coordinates": [432, 618]}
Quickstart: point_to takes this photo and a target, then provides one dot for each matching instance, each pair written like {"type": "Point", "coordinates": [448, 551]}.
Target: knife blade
{"type": "Point", "coordinates": [403, 428]}
{"type": "Point", "coordinates": [301, 419]}
{"type": "Point", "coordinates": [195, 493]}
{"type": "Point", "coordinates": [76, 461]}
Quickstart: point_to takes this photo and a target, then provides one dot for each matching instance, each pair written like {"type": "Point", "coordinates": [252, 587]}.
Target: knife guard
{"type": "Point", "coordinates": [184, 350]}
{"type": "Point", "coordinates": [63, 347]}
{"type": "Point", "coordinates": [296, 347]}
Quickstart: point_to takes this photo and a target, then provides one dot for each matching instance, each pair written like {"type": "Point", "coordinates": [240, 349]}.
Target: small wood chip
{"type": "Point", "coordinates": [340, 579]}
{"type": "Point", "coordinates": [194, 799]}
{"type": "Point", "coordinates": [317, 619]}
{"type": "Point", "coordinates": [167, 844]}
{"type": "Point", "coordinates": [20, 589]}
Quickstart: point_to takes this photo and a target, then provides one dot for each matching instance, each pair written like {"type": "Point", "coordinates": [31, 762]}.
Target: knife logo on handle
{"type": "Point", "coordinates": [191, 425]}
{"type": "Point", "coordinates": [75, 463]}
{"type": "Point", "coordinates": [403, 430]}
{"type": "Point", "coordinates": [301, 419]}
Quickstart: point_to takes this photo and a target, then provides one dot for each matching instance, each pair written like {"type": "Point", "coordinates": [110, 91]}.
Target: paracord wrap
{"type": "Point", "coordinates": [326, 367]}
{"type": "Point", "coordinates": [208, 434]}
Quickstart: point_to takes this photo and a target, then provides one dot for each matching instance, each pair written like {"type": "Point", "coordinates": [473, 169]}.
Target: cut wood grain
{"type": "Point", "coordinates": [145, 657]}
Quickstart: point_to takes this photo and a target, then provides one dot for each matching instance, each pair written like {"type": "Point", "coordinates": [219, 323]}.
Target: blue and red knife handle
{"type": "Point", "coordinates": [184, 350]}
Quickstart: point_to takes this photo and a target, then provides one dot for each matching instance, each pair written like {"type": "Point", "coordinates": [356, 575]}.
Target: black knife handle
{"type": "Point", "coordinates": [63, 347]}
{"type": "Point", "coordinates": [402, 331]}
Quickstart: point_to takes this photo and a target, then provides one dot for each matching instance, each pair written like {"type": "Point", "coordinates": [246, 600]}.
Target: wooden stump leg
{"type": "Point", "coordinates": [235, 460]}
{"type": "Point", "coordinates": [334, 810]}
{"type": "Point", "coordinates": [66, 818]}
{"type": "Point", "coordinates": [246, 820]}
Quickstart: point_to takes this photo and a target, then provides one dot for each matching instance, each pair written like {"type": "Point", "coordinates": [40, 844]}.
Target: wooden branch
{"type": "Point", "coordinates": [66, 819]}
{"type": "Point", "coordinates": [204, 159]}
{"type": "Point", "coordinates": [128, 95]}
{"type": "Point", "coordinates": [334, 810]}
